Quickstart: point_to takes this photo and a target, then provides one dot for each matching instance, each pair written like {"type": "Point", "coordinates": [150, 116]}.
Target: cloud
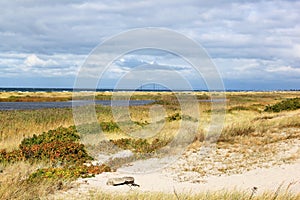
{"type": "Point", "coordinates": [77, 27]}
{"type": "Point", "coordinates": [33, 61]}
{"type": "Point", "coordinates": [130, 63]}
{"type": "Point", "coordinates": [245, 38]}
{"type": "Point", "coordinates": [285, 72]}
{"type": "Point", "coordinates": [31, 65]}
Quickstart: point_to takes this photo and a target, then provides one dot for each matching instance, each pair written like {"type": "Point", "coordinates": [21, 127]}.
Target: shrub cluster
{"type": "Point", "coordinates": [59, 147]}
{"type": "Point", "coordinates": [94, 127]}
{"type": "Point", "coordinates": [109, 126]}
{"type": "Point", "coordinates": [287, 104]}
{"type": "Point", "coordinates": [55, 146]}
{"type": "Point", "coordinates": [174, 117]}
{"type": "Point", "coordinates": [70, 173]}
{"type": "Point", "coordinates": [12, 156]}
{"type": "Point", "coordinates": [139, 145]}
{"type": "Point", "coordinates": [178, 116]}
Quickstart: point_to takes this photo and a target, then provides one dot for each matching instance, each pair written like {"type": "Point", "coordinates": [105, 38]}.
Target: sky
{"type": "Point", "coordinates": [255, 45]}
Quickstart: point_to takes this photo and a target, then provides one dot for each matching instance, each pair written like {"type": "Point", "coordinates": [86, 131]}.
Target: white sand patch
{"type": "Point", "coordinates": [267, 177]}
{"type": "Point", "coordinates": [284, 176]}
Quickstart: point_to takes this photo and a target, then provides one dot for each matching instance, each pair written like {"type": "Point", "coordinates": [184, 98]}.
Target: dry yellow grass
{"type": "Point", "coordinates": [35, 94]}
{"type": "Point", "coordinates": [224, 195]}
{"type": "Point", "coordinates": [13, 183]}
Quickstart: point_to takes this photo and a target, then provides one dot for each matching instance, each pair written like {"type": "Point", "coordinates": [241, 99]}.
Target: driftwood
{"type": "Point", "coordinates": [126, 180]}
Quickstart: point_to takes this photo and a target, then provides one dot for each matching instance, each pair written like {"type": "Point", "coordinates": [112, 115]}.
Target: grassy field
{"type": "Point", "coordinates": [254, 131]}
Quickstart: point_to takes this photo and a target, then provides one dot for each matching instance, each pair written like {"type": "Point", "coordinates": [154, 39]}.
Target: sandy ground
{"type": "Point", "coordinates": [269, 172]}
{"type": "Point", "coordinates": [268, 176]}
{"type": "Point", "coordinates": [281, 178]}
{"type": "Point", "coordinates": [263, 179]}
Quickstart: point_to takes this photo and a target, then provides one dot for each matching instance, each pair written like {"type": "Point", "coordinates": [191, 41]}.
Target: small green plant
{"type": "Point", "coordinates": [287, 104]}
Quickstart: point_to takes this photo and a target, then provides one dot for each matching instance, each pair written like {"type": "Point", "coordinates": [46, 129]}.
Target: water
{"type": "Point", "coordinates": [20, 89]}
{"type": "Point", "coordinates": [66, 104]}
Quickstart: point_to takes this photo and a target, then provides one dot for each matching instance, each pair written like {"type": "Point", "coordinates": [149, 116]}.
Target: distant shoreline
{"type": "Point", "coordinates": [28, 89]}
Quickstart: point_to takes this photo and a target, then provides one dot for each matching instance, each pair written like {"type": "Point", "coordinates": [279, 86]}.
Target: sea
{"type": "Point", "coordinates": [153, 89]}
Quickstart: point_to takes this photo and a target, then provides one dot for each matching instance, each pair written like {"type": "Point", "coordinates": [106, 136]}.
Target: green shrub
{"type": "Point", "coordinates": [60, 134]}
{"type": "Point", "coordinates": [12, 156]}
{"type": "Point", "coordinates": [238, 108]}
{"type": "Point", "coordinates": [109, 126]}
{"type": "Point", "coordinates": [177, 116]}
{"type": "Point", "coordinates": [55, 146]}
{"type": "Point", "coordinates": [139, 145]}
{"type": "Point", "coordinates": [68, 173]}
{"type": "Point", "coordinates": [59, 147]}
{"type": "Point", "coordinates": [56, 152]}
{"type": "Point", "coordinates": [142, 124]}
{"type": "Point", "coordinates": [174, 117]}
{"type": "Point", "coordinates": [287, 104]}
{"type": "Point", "coordinates": [94, 128]}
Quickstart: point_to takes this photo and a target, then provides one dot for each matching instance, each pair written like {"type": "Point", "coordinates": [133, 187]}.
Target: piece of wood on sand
{"type": "Point", "coordinates": [126, 180]}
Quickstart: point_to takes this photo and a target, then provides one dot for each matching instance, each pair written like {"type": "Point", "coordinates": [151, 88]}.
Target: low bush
{"type": "Point", "coordinates": [55, 146]}
{"type": "Point", "coordinates": [69, 173]}
{"type": "Point", "coordinates": [177, 116]}
{"type": "Point", "coordinates": [11, 156]}
{"type": "Point", "coordinates": [238, 108]}
{"type": "Point", "coordinates": [59, 147]}
{"type": "Point", "coordinates": [60, 134]}
{"type": "Point", "coordinates": [139, 145]}
{"type": "Point", "coordinates": [57, 152]}
{"type": "Point", "coordinates": [95, 127]}
{"type": "Point", "coordinates": [109, 126]}
{"type": "Point", "coordinates": [174, 117]}
{"type": "Point", "coordinates": [287, 104]}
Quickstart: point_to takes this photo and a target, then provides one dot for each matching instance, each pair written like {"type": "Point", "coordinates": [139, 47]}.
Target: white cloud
{"type": "Point", "coordinates": [31, 65]}
{"type": "Point", "coordinates": [296, 50]}
{"type": "Point", "coordinates": [287, 69]}
{"type": "Point", "coordinates": [32, 61]}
